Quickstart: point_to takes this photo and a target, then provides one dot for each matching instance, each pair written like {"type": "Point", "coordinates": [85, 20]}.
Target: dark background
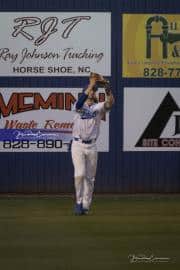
{"type": "Point", "coordinates": [118, 171]}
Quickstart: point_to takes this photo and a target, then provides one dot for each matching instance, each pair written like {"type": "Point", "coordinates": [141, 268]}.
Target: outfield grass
{"type": "Point", "coordinates": [41, 233]}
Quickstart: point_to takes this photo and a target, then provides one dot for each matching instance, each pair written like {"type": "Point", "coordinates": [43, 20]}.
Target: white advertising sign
{"type": "Point", "coordinates": [55, 43]}
{"type": "Point", "coordinates": [41, 119]}
{"type": "Point", "coordinates": [151, 119]}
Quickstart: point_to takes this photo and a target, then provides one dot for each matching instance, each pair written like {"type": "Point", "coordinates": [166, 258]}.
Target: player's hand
{"type": "Point", "coordinates": [94, 77]}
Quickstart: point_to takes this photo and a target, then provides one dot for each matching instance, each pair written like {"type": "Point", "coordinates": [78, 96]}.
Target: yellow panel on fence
{"type": "Point", "coordinates": [151, 45]}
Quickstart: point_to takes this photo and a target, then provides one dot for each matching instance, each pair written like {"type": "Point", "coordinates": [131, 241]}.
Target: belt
{"type": "Point", "coordinates": [84, 141]}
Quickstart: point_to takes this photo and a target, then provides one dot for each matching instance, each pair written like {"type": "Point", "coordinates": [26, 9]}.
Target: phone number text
{"type": "Point", "coordinates": [40, 144]}
{"type": "Point", "coordinates": [161, 72]}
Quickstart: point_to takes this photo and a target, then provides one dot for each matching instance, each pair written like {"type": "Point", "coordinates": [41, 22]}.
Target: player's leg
{"type": "Point", "coordinates": [91, 165]}
{"type": "Point", "coordinates": [78, 158]}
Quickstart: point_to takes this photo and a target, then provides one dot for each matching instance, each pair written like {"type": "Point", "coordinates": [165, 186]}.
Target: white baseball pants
{"type": "Point", "coordinates": [84, 157]}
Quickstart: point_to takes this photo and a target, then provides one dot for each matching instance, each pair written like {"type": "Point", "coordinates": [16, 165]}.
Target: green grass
{"type": "Point", "coordinates": [42, 233]}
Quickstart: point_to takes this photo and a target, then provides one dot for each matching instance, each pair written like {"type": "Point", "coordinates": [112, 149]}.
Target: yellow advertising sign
{"type": "Point", "coordinates": [151, 45]}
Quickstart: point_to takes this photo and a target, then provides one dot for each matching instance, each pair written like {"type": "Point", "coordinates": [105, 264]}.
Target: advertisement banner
{"type": "Point", "coordinates": [55, 43]}
{"type": "Point", "coordinates": [151, 45]}
{"type": "Point", "coordinates": [41, 119]}
{"type": "Point", "coordinates": [151, 119]}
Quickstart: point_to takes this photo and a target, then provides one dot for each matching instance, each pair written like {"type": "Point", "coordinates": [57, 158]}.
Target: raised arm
{"type": "Point", "coordinates": [109, 98]}
{"type": "Point", "coordinates": [85, 94]}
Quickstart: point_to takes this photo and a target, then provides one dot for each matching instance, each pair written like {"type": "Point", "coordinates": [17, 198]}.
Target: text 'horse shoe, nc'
{"type": "Point", "coordinates": [165, 36]}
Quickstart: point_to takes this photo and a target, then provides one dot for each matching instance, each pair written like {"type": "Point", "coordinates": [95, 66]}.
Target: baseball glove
{"type": "Point", "coordinates": [100, 80]}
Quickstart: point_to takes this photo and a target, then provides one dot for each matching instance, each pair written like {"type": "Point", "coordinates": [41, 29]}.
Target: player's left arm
{"type": "Point", "coordinates": [109, 99]}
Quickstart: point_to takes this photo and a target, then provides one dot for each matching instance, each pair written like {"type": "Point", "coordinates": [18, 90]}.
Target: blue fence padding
{"type": "Point", "coordinates": [118, 171]}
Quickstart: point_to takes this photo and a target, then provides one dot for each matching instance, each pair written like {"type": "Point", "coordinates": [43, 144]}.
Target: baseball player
{"type": "Point", "coordinates": [87, 119]}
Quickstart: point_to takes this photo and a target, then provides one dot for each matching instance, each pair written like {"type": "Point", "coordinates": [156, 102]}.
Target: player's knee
{"type": "Point", "coordinates": [91, 179]}
{"type": "Point", "coordinates": [79, 178]}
